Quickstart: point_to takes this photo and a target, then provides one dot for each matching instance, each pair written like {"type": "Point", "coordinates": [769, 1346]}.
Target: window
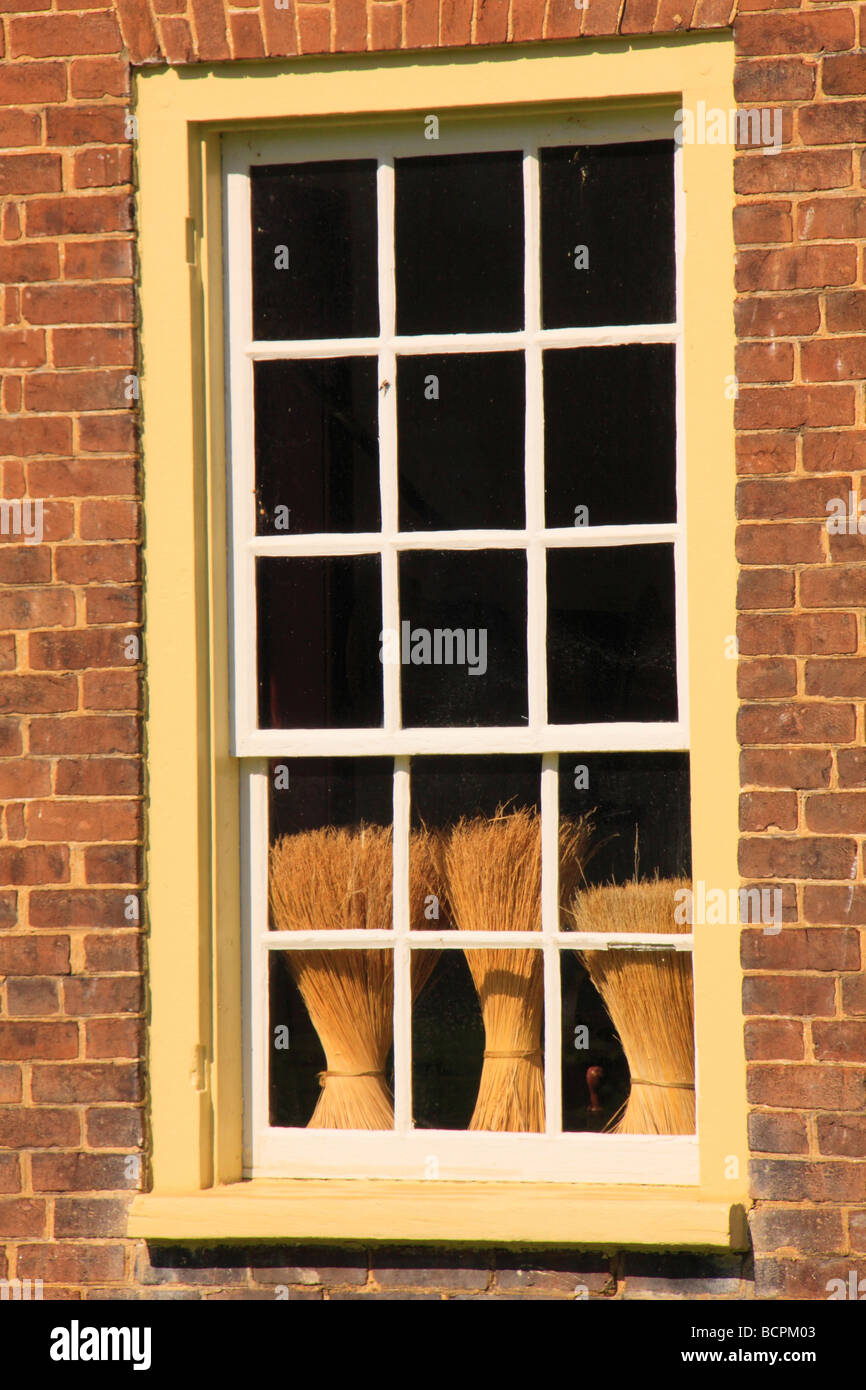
{"type": "Point", "coordinates": [203, 781]}
{"type": "Point", "coordinates": [459, 580]}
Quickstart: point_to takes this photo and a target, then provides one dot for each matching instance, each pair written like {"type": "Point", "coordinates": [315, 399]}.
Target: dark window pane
{"type": "Point", "coordinates": [309, 793]}
{"type": "Point", "coordinates": [588, 1040]}
{"type": "Point", "coordinates": [459, 243]}
{"type": "Point", "coordinates": [460, 440]}
{"type": "Point", "coordinates": [611, 645]}
{"type": "Point", "coordinates": [319, 622]}
{"type": "Point", "coordinates": [617, 201]}
{"type": "Point", "coordinates": [640, 805]}
{"type": "Point", "coordinates": [462, 644]}
{"type": "Point", "coordinates": [610, 435]}
{"type": "Point", "coordinates": [317, 452]}
{"type": "Point", "coordinates": [295, 1055]}
{"type": "Point", "coordinates": [315, 271]}
{"type": "Point", "coordinates": [447, 1042]}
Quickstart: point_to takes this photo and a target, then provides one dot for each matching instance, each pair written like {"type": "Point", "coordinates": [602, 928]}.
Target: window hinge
{"type": "Point", "coordinates": [191, 241]}
{"type": "Point", "coordinates": [199, 1067]}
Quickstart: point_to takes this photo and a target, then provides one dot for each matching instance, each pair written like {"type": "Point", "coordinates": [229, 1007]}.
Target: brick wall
{"type": "Point", "coordinates": [71, 989]}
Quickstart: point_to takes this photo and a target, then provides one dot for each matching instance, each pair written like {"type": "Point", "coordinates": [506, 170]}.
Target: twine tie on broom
{"type": "Point", "coordinates": [534, 1052]}
{"type": "Point", "coordinates": [677, 1085]}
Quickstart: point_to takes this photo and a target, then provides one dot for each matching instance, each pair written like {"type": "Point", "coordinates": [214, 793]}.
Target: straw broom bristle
{"type": "Point", "coordinates": [341, 879]}
{"type": "Point", "coordinates": [493, 874]}
{"type": "Point", "coordinates": [650, 999]}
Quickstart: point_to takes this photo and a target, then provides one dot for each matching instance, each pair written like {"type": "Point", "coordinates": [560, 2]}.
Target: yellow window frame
{"type": "Point", "coordinates": [194, 892]}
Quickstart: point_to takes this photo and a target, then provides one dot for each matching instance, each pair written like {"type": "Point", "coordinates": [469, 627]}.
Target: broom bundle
{"type": "Point", "coordinates": [649, 997]}
{"type": "Point", "coordinates": [493, 873]}
{"type": "Point", "coordinates": [341, 879]}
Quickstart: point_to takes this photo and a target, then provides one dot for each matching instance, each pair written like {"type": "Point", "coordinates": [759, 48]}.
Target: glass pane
{"type": "Point", "coordinates": [472, 790]}
{"type": "Point", "coordinates": [319, 624]}
{"type": "Point", "coordinates": [462, 644]}
{"type": "Point", "coordinates": [607, 234]}
{"type": "Point", "coordinates": [331, 1039]}
{"type": "Point", "coordinates": [311, 793]}
{"type": "Point", "coordinates": [315, 272]}
{"type": "Point", "coordinates": [640, 806]}
{"type": "Point", "coordinates": [460, 429]}
{"type": "Point", "coordinates": [595, 1076]}
{"type": "Point", "coordinates": [447, 1041]}
{"type": "Point", "coordinates": [611, 643]}
{"type": "Point", "coordinates": [459, 243]}
{"type": "Point", "coordinates": [317, 447]}
{"type": "Point", "coordinates": [600, 469]}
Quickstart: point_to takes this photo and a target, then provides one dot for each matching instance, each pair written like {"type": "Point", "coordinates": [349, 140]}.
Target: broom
{"type": "Point", "coordinates": [341, 879]}
{"type": "Point", "coordinates": [493, 874]}
{"type": "Point", "coordinates": [650, 1000]}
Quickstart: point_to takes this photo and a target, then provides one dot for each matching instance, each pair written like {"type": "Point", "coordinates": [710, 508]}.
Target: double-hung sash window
{"type": "Point", "coordinates": [459, 627]}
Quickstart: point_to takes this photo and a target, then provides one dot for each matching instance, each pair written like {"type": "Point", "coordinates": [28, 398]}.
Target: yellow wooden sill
{"type": "Point", "coordinates": [478, 1212]}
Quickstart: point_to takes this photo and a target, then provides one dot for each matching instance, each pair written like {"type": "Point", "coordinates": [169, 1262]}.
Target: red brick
{"type": "Point", "coordinates": [85, 564]}
{"type": "Point", "coordinates": [801, 1230]}
{"type": "Point", "coordinates": [118, 690]}
{"type": "Point", "coordinates": [113, 952]}
{"type": "Point", "coordinates": [790, 723]}
{"type": "Point", "coordinates": [85, 734]}
{"type": "Point", "coordinates": [834, 359]}
{"type": "Point", "coordinates": [314, 28]}
{"type": "Point", "coordinates": [63, 651]}
{"type": "Point", "coordinates": [811, 32]}
{"type": "Point", "coordinates": [776, 79]}
{"type": "Point", "coordinates": [177, 43]}
{"type": "Point", "coordinates": [563, 19]}
{"type": "Point", "coordinates": [86, 478]}
{"type": "Point", "coordinates": [23, 263]}
{"type": "Point", "coordinates": [36, 1127]}
{"type": "Point", "coordinates": [779, 634]}
{"type": "Point", "coordinates": [798, 267]}
{"type": "Point", "coordinates": [765, 362]}
{"type": "Point", "coordinates": [107, 434]}
{"type": "Point", "coordinates": [99, 260]}
{"type": "Point", "coordinates": [768, 811]}
{"type": "Point", "coordinates": [112, 864]}
{"type": "Point", "coordinates": [854, 995]}
{"type": "Point", "coordinates": [851, 765]}
{"type": "Point", "coordinates": [25, 438]}
{"type": "Point", "coordinates": [780, 544]}
{"type": "Point", "coordinates": [422, 23]}
{"type": "Point", "coordinates": [62, 1263]}
{"type": "Point", "coordinates": [805, 857]}
{"type": "Point", "coordinates": [79, 907]}
{"type": "Point", "coordinates": [797, 996]}
{"type": "Point", "coordinates": [777, 1133]}
{"type": "Point", "coordinates": [762, 222]}
{"type": "Point", "coordinates": [386, 25]}
{"type": "Point", "coordinates": [88, 1082]}
{"type": "Point", "coordinates": [34, 955]}
{"type": "Point", "coordinates": [113, 1037]}
{"type": "Point", "coordinates": [792, 171]}
{"type": "Point", "coordinates": [113, 605]}
{"type": "Point", "coordinates": [22, 347]}
{"type": "Point", "coordinates": [841, 1042]}
{"type": "Point", "coordinates": [99, 77]}
{"type": "Point", "coordinates": [24, 608]}
{"type": "Point", "coordinates": [114, 1128]}
{"type": "Point", "coordinates": [139, 33]}
{"type": "Point", "coordinates": [109, 521]}
{"type": "Point", "coordinates": [833, 588]}
{"type": "Point", "coordinates": [21, 128]}
{"type": "Point", "coordinates": [43, 694]}
{"type": "Point", "coordinates": [673, 15]}
{"type": "Point", "coordinates": [762, 453]}
{"type": "Point", "coordinates": [85, 125]}
{"type": "Point", "coordinates": [79, 1172]}
{"type": "Point", "coordinates": [842, 1136]}
{"type": "Point", "coordinates": [11, 1091]}
{"type": "Point", "coordinates": [832, 123]}
{"type": "Point", "coordinates": [837, 678]}
{"type": "Point", "coordinates": [806, 1087]}
{"type": "Point", "coordinates": [210, 31]}
{"type": "Point", "coordinates": [281, 39]}
{"type": "Point", "coordinates": [827, 453]}
{"type": "Point", "coordinates": [766, 679]}
{"type": "Point", "coordinates": [81, 821]}
{"type": "Point", "coordinates": [28, 1041]}
{"type": "Point", "coordinates": [770, 407]}
{"type": "Point", "coordinates": [24, 1216]}
{"type": "Point", "coordinates": [772, 499]}
{"type": "Point", "coordinates": [601, 16]}
{"type": "Point", "coordinates": [770, 588]}
{"type": "Point", "coordinates": [32, 84]}
{"type": "Point", "coordinates": [10, 731]}
{"type": "Point", "coordinates": [831, 217]}
{"type": "Point", "coordinates": [79, 390]}
{"type": "Point", "coordinates": [56, 36]}
{"type": "Point", "coordinates": [246, 36]}
{"type": "Point", "coordinates": [844, 76]}
{"type": "Point", "coordinates": [31, 998]}
{"type": "Point", "coordinates": [60, 304]}
{"type": "Point", "coordinates": [30, 173]}
{"type": "Point", "coordinates": [96, 777]}
{"type": "Point", "coordinates": [455, 22]}
{"type": "Point", "coordinates": [774, 1040]}
{"type": "Point", "coordinates": [22, 778]}
{"type": "Point", "coordinates": [10, 1177]}
{"type": "Point", "coordinates": [835, 903]}
{"type": "Point", "coordinates": [103, 168]}
{"type": "Point", "coordinates": [92, 1216]}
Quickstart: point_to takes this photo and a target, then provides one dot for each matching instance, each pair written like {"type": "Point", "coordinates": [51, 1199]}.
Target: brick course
{"type": "Point", "coordinates": [71, 989]}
